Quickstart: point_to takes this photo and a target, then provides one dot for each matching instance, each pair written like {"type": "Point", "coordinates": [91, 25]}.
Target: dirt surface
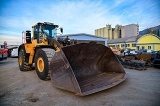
{"type": "Point", "coordinates": [142, 88]}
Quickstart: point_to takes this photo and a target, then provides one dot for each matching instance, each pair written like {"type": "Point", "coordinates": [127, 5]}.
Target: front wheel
{"type": "Point", "coordinates": [42, 59]}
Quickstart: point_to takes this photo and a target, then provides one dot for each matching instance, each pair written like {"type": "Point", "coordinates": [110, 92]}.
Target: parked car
{"type": "Point", "coordinates": [150, 51]}
{"type": "Point", "coordinates": [3, 53]}
{"type": "Point", "coordinates": [126, 52]}
{"type": "Point", "coordinates": [14, 52]}
{"type": "Point", "coordinates": [142, 51]}
{"type": "Point", "coordinates": [133, 52]}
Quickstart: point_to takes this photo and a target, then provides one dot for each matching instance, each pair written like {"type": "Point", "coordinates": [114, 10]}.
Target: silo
{"type": "Point", "coordinates": [109, 31]}
{"type": "Point", "coordinates": [98, 32]}
{"type": "Point", "coordinates": [116, 32]}
{"type": "Point", "coordinates": [105, 31]}
{"type": "Point", "coordinates": [101, 32]}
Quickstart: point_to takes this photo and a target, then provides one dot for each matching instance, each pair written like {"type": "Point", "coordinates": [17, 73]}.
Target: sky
{"type": "Point", "coordinates": [75, 16]}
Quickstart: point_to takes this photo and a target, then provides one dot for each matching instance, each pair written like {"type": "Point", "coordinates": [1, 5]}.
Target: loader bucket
{"type": "Point", "coordinates": [86, 68]}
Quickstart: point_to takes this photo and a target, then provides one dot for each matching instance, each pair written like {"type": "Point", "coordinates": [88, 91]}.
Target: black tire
{"type": "Point", "coordinates": [23, 65]}
{"type": "Point", "coordinates": [42, 64]}
{"type": "Point", "coordinates": [45, 55]}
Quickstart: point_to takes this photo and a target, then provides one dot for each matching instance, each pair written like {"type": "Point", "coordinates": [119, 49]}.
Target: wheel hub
{"type": "Point", "coordinates": [40, 64]}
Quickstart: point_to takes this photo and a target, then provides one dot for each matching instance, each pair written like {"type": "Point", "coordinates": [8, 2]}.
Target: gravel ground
{"type": "Point", "coordinates": [141, 88]}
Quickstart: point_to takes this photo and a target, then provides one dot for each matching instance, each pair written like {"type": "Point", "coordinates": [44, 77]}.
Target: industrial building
{"type": "Point", "coordinates": [85, 38]}
{"type": "Point", "coordinates": [118, 32]}
{"type": "Point", "coordinates": [149, 42]}
{"type": "Point", "coordinates": [123, 43]}
{"type": "Point", "coordinates": [145, 42]}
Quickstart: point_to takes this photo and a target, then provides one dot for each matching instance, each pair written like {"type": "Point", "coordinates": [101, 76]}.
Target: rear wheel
{"type": "Point", "coordinates": [42, 61]}
{"type": "Point", "coordinates": [23, 65]}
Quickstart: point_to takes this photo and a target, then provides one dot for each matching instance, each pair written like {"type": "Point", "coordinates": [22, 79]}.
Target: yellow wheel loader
{"type": "Point", "coordinates": [83, 68]}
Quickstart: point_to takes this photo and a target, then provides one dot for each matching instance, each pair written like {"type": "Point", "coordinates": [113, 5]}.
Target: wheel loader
{"type": "Point", "coordinates": [83, 68]}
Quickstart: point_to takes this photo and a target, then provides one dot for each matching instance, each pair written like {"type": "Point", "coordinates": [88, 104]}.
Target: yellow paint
{"type": "Point", "coordinates": [40, 64]}
{"type": "Point", "coordinates": [56, 46]}
{"type": "Point", "coordinates": [149, 42]}
{"type": "Point", "coordinates": [131, 45]}
{"type": "Point", "coordinates": [148, 38]}
{"type": "Point", "coordinates": [157, 47]}
{"type": "Point", "coordinates": [119, 45]}
{"type": "Point", "coordinates": [30, 48]}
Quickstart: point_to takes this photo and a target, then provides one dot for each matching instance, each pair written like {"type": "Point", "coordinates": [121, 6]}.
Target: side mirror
{"type": "Point", "coordinates": [61, 29]}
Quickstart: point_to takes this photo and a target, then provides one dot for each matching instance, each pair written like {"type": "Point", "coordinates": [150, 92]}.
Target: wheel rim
{"type": "Point", "coordinates": [40, 64]}
{"type": "Point", "coordinates": [20, 60]}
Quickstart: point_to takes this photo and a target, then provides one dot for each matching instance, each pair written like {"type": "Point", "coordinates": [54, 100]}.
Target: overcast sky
{"type": "Point", "coordinates": [75, 16]}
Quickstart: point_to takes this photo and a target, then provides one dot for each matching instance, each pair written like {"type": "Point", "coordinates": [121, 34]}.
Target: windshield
{"type": "Point", "coordinates": [49, 30]}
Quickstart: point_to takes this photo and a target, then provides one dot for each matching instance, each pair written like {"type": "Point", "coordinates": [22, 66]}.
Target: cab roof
{"type": "Point", "coordinates": [45, 23]}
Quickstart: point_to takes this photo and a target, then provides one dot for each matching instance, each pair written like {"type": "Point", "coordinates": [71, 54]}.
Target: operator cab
{"type": "Point", "coordinates": [44, 31]}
